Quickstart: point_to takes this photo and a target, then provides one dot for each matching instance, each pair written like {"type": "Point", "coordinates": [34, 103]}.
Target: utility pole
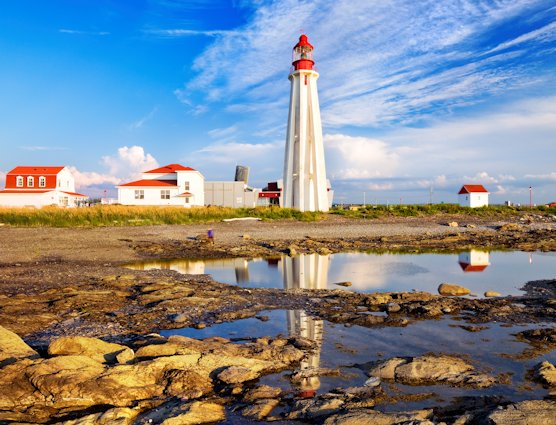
{"type": "Point", "coordinates": [530, 197]}
{"type": "Point", "coordinates": [364, 200]}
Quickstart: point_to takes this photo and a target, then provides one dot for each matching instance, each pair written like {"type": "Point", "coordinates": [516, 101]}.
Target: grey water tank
{"type": "Point", "coordinates": [242, 174]}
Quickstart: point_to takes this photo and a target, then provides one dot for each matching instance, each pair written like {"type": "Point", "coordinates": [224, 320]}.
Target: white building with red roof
{"type": "Point", "coordinates": [473, 261]}
{"type": "Point", "coordinates": [38, 186]}
{"type": "Point", "coordinates": [172, 184]}
{"type": "Point", "coordinates": [473, 195]}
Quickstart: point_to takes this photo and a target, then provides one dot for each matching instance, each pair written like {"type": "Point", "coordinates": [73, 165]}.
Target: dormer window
{"type": "Point", "coordinates": [30, 181]}
{"type": "Point", "coordinates": [19, 181]}
{"type": "Point", "coordinates": [42, 181]}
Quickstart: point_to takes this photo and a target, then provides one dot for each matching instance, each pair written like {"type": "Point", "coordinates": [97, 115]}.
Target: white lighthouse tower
{"type": "Point", "coordinates": [305, 187]}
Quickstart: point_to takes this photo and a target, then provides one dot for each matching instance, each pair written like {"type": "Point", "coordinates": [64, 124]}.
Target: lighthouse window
{"type": "Point", "coordinates": [19, 181]}
{"type": "Point", "coordinates": [186, 185]}
{"type": "Point", "coordinates": [164, 194]}
{"type": "Point", "coordinates": [140, 194]}
{"type": "Point", "coordinates": [42, 181]}
{"type": "Point", "coordinates": [30, 181]}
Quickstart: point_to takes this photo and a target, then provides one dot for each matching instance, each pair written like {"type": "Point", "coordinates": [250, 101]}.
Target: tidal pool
{"type": "Point", "coordinates": [350, 347]}
{"type": "Point", "coordinates": [503, 272]}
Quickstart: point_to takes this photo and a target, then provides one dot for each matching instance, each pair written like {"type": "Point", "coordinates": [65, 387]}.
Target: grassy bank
{"type": "Point", "coordinates": [120, 215]}
{"type": "Point", "coordinates": [382, 211]}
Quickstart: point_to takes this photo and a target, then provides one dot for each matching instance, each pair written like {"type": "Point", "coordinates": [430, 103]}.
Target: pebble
{"type": "Point", "coordinates": [373, 381]}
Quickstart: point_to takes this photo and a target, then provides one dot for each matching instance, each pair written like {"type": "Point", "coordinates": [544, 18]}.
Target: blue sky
{"type": "Point", "coordinates": [414, 95]}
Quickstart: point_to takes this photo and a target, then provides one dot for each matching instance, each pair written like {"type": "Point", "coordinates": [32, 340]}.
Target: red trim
{"type": "Point", "coordinates": [269, 194]}
{"type": "Point", "coordinates": [35, 171]}
{"type": "Point", "coordinates": [77, 195]}
{"type": "Point", "coordinates": [151, 183]}
{"type": "Point", "coordinates": [472, 188]}
{"type": "Point", "coordinates": [170, 168]}
{"type": "Point", "coordinates": [186, 194]}
{"type": "Point", "coordinates": [469, 268]}
{"type": "Point", "coordinates": [24, 192]}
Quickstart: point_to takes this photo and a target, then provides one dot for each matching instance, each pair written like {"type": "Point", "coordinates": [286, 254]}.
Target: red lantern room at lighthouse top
{"type": "Point", "coordinates": [303, 54]}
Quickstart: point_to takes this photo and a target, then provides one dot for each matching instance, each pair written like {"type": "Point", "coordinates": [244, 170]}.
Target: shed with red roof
{"type": "Point", "coordinates": [38, 186]}
{"type": "Point", "coordinates": [172, 184]}
{"type": "Point", "coordinates": [473, 195]}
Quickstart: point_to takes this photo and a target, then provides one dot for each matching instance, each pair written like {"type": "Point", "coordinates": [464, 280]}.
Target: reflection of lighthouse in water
{"type": "Point", "coordinates": [473, 260]}
{"type": "Point", "coordinates": [306, 272]}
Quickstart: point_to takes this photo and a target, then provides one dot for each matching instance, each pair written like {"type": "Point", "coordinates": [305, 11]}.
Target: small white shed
{"type": "Point", "coordinates": [473, 195]}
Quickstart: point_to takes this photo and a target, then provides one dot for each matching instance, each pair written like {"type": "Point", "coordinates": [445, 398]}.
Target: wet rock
{"type": "Point", "coordinates": [511, 227]}
{"type": "Point", "coordinates": [393, 307]}
{"type": "Point", "coordinates": [492, 294]}
{"type": "Point", "coordinates": [187, 384]}
{"type": "Point", "coordinates": [237, 374]}
{"type": "Point", "coordinates": [314, 408]}
{"type": "Point", "coordinates": [373, 417]}
{"type": "Point", "coordinates": [198, 412]}
{"type": "Point", "coordinates": [545, 372]}
{"type": "Point", "coordinates": [12, 347]}
{"type": "Point", "coordinates": [94, 348]}
{"type": "Point", "coordinates": [260, 409]}
{"type": "Point", "coordinates": [451, 289]}
{"type": "Point", "coordinates": [115, 416]}
{"type": "Point", "coordinates": [179, 318]}
{"type": "Point", "coordinates": [302, 374]}
{"type": "Point", "coordinates": [262, 392]}
{"type": "Point", "coordinates": [431, 369]}
{"type": "Point", "coordinates": [303, 343]}
{"type": "Point", "coordinates": [525, 413]}
{"type": "Point", "coordinates": [345, 284]}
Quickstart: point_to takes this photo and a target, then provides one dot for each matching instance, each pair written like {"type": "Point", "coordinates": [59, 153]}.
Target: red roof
{"type": "Point", "coordinates": [469, 268]}
{"type": "Point", "coordinates": [79, 195]}
{"type": "Point", "coordinates": [170, 168]}
{"type": "Point", "coordinates": [152, 183]}
{"type": "Point", "coordinates": [25, 192]}
{"type": "Point", "coordinates": [472, 188]}
{"type": "Point", "coordinates": [36, 170]}
{"type": "Point", "coordinates": [186, 194]}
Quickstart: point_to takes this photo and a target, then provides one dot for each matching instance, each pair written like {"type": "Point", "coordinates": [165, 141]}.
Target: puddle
{"type": "Point", "coordinates": [350, 347]}
{"type": "Point", "coordinates": [503, 272]}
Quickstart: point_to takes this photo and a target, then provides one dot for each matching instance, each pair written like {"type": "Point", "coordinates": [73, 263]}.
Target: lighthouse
{"type": "Point", "coordinates": [304, 186]}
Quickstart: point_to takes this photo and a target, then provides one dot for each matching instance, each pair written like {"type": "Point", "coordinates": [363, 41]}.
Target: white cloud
{"type": "Point", "coordinates": [543, 35]}
{"type": "Point", "coordinates": [177, 32]}
{"type": "Point", "coordinates": [141, 121]}
{"type": "Point", "coordinates": [375, 68]}
{"type": "Point", "coordinates": [79, 32]}
{"type": "Point", "coordinates": [42, 148]}
{"type": "Point", "coordinates": [223, 133]}
{"type": "Point", "coordinates": [87, 178]}
{"type": "Point", "coordinates": [548, 177]}
{"type": "Point", "coordinates": [358, 157]}
{"type": "Point", "coordinates": [129, 163]}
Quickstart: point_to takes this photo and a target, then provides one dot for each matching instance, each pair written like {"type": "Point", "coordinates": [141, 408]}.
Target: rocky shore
{"type": "Point", "coordinates": [80, 342]}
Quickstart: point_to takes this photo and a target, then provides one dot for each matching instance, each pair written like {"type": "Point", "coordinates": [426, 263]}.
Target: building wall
{"type": "Point", "coordinates": [65, 181]}
{"type": "Point", "coordinates": [473, 200]}
{"type": "Point", "coordinates": [196, 186]}
{"type": "Point", "coordinates": [230, 194]}
{"type": "Point", "coordinates": [37, 200]}
{"type": "Point", "coordinates": [151, 196]}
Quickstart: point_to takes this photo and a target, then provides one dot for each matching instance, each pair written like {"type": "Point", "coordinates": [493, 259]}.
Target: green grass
{"type": "Point", "coordinates": [119, 215]}
{"type": "Point", "coordinates": [381, 211]}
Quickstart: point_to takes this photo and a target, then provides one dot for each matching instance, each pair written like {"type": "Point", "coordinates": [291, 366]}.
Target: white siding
{"type": "Point", "coordinates": [473, 200]}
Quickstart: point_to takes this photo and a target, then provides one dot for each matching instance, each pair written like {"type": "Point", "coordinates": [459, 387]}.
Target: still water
{"type": "Point", "coordinates": [503, 272]}
{"type": "Point", "coordinates": [350, 347]}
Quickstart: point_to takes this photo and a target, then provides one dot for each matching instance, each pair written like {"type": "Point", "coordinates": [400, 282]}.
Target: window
{"type": "Point", "coordinates": [187, 199]}
{"type": "Point", "coordinates": [30, 181]}
{"type": "Point", "coordinates": [164, 194]}
{"type": "Point", "coordinates": [186, 184]}
{"type": "Point", "coordinates": [19, 181]}
{"type": "Point", "coordinates": [42, 181]}
{"type": "Point", "coordinates": [140, 194]}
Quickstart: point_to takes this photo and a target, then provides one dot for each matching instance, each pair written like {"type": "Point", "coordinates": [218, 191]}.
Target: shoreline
{"type": "Point", "coordinates": [69, 283]}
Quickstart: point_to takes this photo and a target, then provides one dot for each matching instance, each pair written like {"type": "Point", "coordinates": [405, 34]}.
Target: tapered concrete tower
{"type": "Point", "coordinates": [305, 187]}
